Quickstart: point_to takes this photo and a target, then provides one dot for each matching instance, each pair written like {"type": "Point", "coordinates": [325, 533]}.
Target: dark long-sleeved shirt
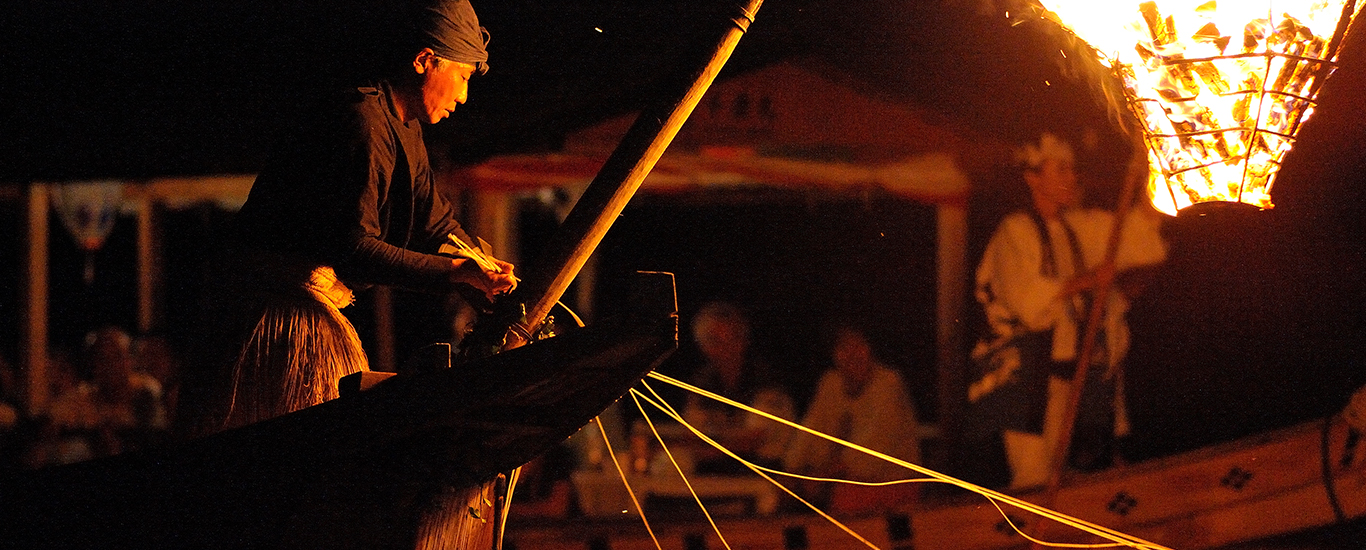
{"type": "Point", "coordinates": [354, 191]}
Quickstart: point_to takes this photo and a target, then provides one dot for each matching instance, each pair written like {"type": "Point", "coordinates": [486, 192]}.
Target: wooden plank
{"type": "Point", "coordinates": [230, 188]}
{"type": "Point", "coordinates": [1254, 469]}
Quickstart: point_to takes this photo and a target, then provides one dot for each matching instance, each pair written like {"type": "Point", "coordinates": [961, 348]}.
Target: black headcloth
{"type": "Point", "coordinates": [451, 29]}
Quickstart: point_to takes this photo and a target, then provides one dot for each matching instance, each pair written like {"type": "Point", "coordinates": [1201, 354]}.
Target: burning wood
{"type": "Point", "coordinates": [1216, 119]}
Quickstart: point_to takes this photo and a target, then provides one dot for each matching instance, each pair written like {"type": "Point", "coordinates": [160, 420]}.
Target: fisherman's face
{"type": "Point", "coordinates": [445, 84]}
{"type": "Point", "coordinates": [853, 358]}
{"type": "Point", "coordinates": [1054, 183]}
{"type": "Point", "coordinates": [722, 341]}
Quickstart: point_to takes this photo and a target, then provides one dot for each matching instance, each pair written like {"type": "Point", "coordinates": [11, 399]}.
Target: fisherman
{"type": "Point", "coordinates": [348, 203]}
{"type": "Point", "coordinates": [1038, 275]}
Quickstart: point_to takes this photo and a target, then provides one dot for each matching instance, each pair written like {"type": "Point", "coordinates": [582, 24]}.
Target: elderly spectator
{"type": "Point", "coordinates": [864, 402]}
{"type": "Point", "coordinates": [732, 369]}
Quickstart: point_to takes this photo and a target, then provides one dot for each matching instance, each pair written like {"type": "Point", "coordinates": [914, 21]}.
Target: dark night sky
{"type": "Point", "coordinates": [103, 88]}
{"type": "Point", "coordinates": [154, 87]}
{"type": "Point", "coordinates": [1258, 322]}
{"type": "Point", "coordinates": [151, 87]}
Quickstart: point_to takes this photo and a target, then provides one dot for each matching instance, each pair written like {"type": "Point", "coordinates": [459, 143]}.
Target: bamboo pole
{"type": "Point", "coordinates": [617, 181]}
{"type": "Point", "coordinates": [620, 177]}
{"type": "Point", "coordinates": [1134, 179]}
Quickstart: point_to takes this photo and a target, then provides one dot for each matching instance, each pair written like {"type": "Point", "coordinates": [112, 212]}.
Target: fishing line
{"type": "Point", "coordinates": [662, 445]}
{"type": "Point", "coordinates": [669, 410]}
{"type": "Point", "coordinates": [996, 498]}
{"type": "Point", "coordinates": [1118, 538]}
{"type": "Point", "coordinates": [760, 469]}
{"type": "Point", "coordinates": [627, 483]}
{"type": "Point", "coordinates": [598, 420]}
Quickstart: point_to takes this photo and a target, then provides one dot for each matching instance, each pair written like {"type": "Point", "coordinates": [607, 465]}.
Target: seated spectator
{"type": "Point", "coordinates": [116, 410]}
{"type": "Point", "coordinates": [43, 445]}
{"type": "Point", "coordinates": [155, 357]}
{"type": "Point", "coordinates": [864, 402]}
{"type": "Point", "coordinates": [731, 369]}
{"type": "Point", "coordinates": [61, 375]}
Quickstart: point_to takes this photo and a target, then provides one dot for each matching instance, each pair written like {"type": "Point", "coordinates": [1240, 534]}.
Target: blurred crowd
{"type": "Point", "coordinates": [116, 393]}
{"type": "Point", "coordinates": [113, 394]}
{"type": "Point", "coordinates": [858, 398]}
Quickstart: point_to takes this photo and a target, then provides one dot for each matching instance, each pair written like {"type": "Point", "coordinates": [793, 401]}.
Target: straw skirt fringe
{"type": "Point", "coordinates": [296, 353]}
{"type": "Point", "coordinates": [277, 342]}
{"type": "Point", "coordinates": [282, 345]}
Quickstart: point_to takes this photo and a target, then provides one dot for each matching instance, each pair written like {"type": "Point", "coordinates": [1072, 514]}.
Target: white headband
{"type": "Point", "coordinates": [1049, 147]}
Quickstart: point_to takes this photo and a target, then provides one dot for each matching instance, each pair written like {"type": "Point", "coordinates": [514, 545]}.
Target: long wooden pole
{"type": "Point", "coordinates": [617, 181]}
{"type": "Point", "coordinates": [1058, 458]}
{"type": "Point", "coordinates": [620, 177]}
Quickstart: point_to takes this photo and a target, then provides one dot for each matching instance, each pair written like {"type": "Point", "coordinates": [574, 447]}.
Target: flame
{"type": "Point", "coordinates": [1219, 89]}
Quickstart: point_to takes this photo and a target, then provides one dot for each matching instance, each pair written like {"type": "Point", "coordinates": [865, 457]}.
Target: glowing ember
{"type": "Point", "coordinates": [1219, 89]}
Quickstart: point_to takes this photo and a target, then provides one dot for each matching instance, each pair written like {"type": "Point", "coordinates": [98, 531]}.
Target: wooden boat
{"type": "Point", "coordinates": [354, 472]}
{"type": "Point", "coordinates": [1289, 480]}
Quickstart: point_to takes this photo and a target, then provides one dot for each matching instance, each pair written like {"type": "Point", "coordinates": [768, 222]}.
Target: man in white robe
{"type": "Point", "coordinates": [1032, 284]}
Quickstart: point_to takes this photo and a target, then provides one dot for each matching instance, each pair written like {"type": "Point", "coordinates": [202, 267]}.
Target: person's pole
{"type": "Point", "coordinates": [610, 191]}
{"type": "Point", "coordinates": [1135, 178]}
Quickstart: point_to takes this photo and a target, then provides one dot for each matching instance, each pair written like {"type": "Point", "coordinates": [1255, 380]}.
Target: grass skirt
{"type": "Point", "coordinates": [275, 342]}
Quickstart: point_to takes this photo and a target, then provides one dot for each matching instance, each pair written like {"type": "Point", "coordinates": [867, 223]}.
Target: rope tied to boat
{"type": "Point", "coordinates": [997, 499]}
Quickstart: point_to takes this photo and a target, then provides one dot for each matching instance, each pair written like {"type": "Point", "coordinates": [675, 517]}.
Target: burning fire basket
{"type": "Point", "coordinates": [1218, 90]}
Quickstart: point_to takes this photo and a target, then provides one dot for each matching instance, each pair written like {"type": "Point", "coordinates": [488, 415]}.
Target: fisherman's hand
{"type": "Point", "coordinates": [1096, 280]}
{"type": "Point", "coordinates": [503, 281]}
{"type": "Point", "coordinates": [488, 281]}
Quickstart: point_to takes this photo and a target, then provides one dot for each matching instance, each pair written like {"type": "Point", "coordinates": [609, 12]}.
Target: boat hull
{"type": "Point", "coordinates": [1285, 481]}
{"type": "Point", "coordinates": [356, 472]}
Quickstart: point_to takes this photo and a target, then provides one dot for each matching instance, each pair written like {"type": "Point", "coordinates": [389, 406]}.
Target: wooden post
{"type": "Point", "coordinates": [149, 266]}
{"type": "Point", "coordinates": [952, 273]}
{"type": "Point", "coordinates": [493, 221]}
{"type": "Point", "coordinates": [33, 339]}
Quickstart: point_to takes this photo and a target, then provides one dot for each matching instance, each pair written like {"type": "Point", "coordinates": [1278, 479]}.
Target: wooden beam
{"type": "Point", "coordinates": [226, 188]}
{"type": "Point", "coordinates": [493, 221]}
{"type": "Point", "coordinates": [148, 267]}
